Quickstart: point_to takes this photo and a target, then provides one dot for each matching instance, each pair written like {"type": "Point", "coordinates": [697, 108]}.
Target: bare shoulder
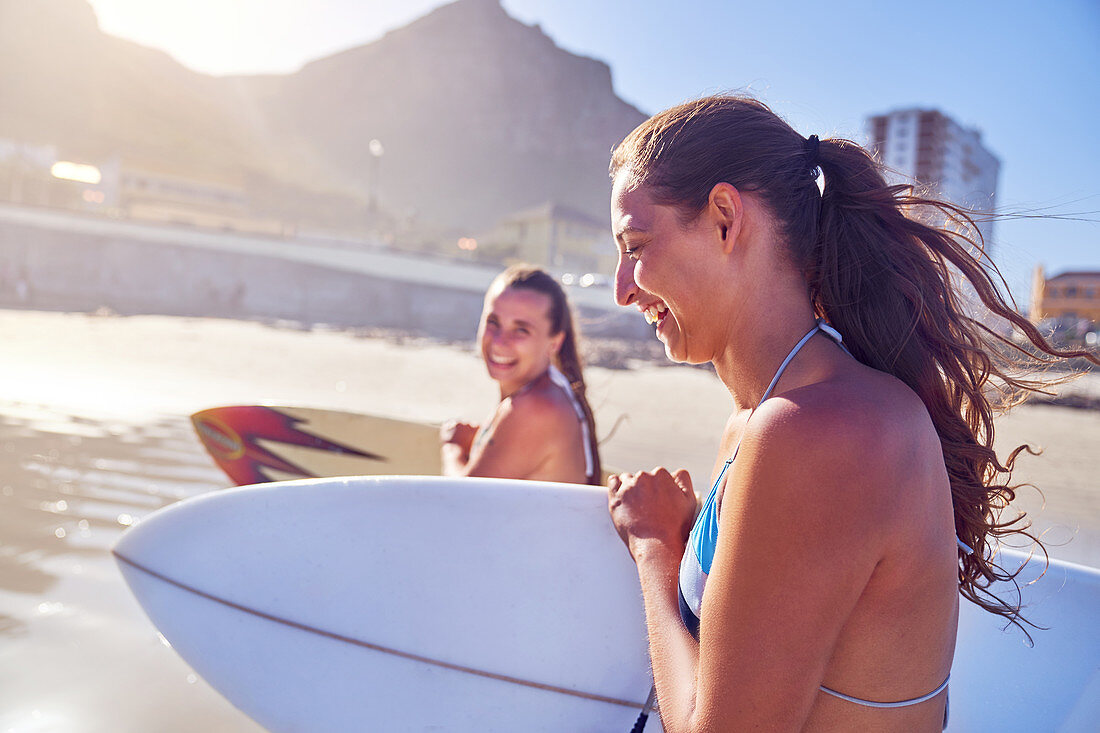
{"type": "Point", "coordinates": [527, 437]}
{"type": "Point", "coordinates": [546, 410]}
{"type": "Point", "coordinates": [862, 414]}
{"type": "Point", "coordinates": [843, 447]}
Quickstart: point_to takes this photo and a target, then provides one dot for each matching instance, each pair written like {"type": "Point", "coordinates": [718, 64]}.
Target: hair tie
{"type": "Point", "coordinates": [811, 148]}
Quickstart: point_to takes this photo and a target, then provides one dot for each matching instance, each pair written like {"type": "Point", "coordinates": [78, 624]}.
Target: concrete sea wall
{"type": "Point", "coordinates": [57, 261]}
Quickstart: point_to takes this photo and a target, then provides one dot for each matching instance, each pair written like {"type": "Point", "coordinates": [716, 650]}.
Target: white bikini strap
{"type": "Point", "coordinates": [831, 331]}
{"type": "Point", "coordinates": [820, 325]}
{"type": "Point", "coordinates": [791, 355]}
{"type": "Point", "coordinates": [898, 704]}
{"type": "Point", "coordinates": [562, 381]}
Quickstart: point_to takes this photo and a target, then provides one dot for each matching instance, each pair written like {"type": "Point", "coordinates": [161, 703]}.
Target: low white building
{"type": "Point", "coordinates": [554, 236]}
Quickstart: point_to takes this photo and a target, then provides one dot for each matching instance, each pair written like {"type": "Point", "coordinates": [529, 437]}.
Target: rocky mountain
{"type": "Point", "coordinates": [479, 115]}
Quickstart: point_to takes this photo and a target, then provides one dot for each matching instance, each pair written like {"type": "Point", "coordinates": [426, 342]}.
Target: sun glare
{"type": "Point", "coordinates": [253, 36]}
{"type": "Point", "coordinates": [78, 172]}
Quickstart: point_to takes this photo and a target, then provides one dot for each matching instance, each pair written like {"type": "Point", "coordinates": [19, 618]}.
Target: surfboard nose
{"type": "Point", "coordinates": [420, 603]}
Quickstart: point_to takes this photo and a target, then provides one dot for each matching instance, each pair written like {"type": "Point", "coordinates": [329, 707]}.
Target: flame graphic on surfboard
{"type": "Point", "coordinates": [259, 443]}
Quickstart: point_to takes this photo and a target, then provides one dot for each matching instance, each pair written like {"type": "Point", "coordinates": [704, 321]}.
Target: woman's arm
{"type": "Point", "coordinates": [657, 547]}
{"type": "Point", "coordinates": [456, 438]}
{"type": "Point", "coordinates": [797, 544]}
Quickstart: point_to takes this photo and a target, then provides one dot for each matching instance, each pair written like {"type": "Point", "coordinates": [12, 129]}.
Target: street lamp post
{"type": "Point", "coordinates": [376, 150]}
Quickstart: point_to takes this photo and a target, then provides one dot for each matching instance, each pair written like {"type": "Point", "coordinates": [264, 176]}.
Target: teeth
{"type": "Point", "coordinates": [653, 313]}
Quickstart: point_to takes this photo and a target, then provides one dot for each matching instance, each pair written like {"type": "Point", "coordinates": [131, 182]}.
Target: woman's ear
{"type": "Point", "coordinates": [727, 213]}
{"type": "Point", "coordinates": [555, 345]}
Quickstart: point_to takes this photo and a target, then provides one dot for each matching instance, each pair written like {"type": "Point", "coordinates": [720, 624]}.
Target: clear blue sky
{"type": "Point", "coordinates": [1027, 74]}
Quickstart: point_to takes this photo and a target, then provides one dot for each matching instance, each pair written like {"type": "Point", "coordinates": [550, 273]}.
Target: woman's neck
{"type": "Point", "coordinates": [754, 349]}
{"type": "Point", "coordinates": [506, 392]}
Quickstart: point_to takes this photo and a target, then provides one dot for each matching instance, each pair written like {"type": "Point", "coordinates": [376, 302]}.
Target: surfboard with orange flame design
{"type": "Point", "coordinates": [258, 443]}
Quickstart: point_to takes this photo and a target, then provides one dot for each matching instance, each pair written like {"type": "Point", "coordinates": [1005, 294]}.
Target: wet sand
{"type": "Point", "coordinates": [94, 435]}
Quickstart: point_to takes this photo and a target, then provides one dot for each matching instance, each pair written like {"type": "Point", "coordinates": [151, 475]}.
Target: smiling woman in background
{"type": "Point", "coordinates": [857, 489]}
{"type": "Point", "coordinates": [543, 428]}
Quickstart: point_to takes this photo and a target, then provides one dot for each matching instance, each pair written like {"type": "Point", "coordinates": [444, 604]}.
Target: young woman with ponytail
{"type": "Point", "coordinates": [543, 428]}
{"type": "Point", "coordinates": [857, 492]}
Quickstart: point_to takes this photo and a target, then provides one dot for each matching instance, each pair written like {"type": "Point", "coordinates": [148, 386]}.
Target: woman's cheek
{"type": "Point", "coordinates": [641, 276]}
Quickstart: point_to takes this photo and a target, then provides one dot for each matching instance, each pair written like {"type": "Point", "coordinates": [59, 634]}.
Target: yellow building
{"type": "Point", "coordinates": [1071, 295]}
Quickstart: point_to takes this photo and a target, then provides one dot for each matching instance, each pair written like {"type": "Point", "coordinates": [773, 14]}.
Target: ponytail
{"type": "Point", "coordinates": [884, 279]}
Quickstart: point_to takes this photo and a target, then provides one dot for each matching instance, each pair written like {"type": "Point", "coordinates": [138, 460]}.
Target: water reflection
{"type": "Point", "coordinates": [71, 483]}
{"type": "Point", "coordinates": [74, 644]}
{"type": "Point", "coordinates": [11, 626]}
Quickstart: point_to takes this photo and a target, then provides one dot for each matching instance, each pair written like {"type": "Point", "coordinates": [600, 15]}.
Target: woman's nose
{"type": "Point", "coordinates": [626, 291]}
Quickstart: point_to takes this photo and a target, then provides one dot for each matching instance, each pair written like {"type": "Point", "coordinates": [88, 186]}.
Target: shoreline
{"type": "Point", "coordinates": [154, 366]}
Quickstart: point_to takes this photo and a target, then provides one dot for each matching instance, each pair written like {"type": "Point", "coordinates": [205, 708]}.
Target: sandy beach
{"type": "Point", "coordinates": [94, 435]}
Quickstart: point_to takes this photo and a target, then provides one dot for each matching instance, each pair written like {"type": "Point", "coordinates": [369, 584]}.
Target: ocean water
{"type": "Point", "coordinates": [76, 651]}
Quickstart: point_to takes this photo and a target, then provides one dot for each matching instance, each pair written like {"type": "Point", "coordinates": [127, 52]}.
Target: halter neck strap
{"type": "Point", "coordinates": [562, 381]}
{"type": "Point", "coordinates": [783, 367]}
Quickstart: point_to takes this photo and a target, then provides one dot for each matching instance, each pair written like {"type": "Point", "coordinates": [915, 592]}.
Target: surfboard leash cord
{"type": "Point", "coordinates": [387, 650]}
{"type": "Point", "coordinates": [650, 703]}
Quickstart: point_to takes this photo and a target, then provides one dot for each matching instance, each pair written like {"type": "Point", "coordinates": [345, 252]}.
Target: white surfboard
{"type": "Point", "coordinates": [401, 604]}
{"type": "Point", "coordinates": [418, 604]}
{"type": "Point", "coordinates": [1000, 683]}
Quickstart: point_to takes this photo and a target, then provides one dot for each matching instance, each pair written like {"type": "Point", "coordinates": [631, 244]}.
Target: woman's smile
{"type": "Point", "coordinates": [503, 362]}
{"type": "Point", "coordinates": [516, 342]}
{"type": "Point", "coordinates": [653, 245]}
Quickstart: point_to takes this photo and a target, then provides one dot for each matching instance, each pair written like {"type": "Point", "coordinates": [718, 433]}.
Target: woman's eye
{"type": "Point", "coordinates": [522, 331]}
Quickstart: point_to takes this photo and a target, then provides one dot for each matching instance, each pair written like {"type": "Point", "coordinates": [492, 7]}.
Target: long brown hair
{"type": "Point", "coordinates": [568, 360]}
{"type": "Point", "coordinates": [883, 279]}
